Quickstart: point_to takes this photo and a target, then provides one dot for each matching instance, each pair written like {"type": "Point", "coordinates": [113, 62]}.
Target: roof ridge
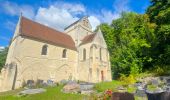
{"type": "Point", "coordinates": [44, 25]}
{"type": "Point", "coordinates": [42, 32]}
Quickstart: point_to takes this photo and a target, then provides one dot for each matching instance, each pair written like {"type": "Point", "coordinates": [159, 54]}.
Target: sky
{"type": "Point", "coordinates": [58, 14]}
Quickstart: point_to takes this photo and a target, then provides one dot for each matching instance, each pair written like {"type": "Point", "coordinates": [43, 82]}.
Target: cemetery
{"type": "Point", "coordinates": [149, 88]}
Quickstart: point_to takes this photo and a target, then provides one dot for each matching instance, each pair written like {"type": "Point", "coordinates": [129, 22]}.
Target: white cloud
{"type": "Point", "coordinates": [94, 21]}
{"type": "Point", "coordinates": [74, 8]}
{"type": "Point", "coordinates": [15, 9]}
{"type": "Point", "coordinates": [119, 7]}
{"type": "Point", "coordinates": [60, 14]}
{"type": "Point", "coordinates": [55, 17]}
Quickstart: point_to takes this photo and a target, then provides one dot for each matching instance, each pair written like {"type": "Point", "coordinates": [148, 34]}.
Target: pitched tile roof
{"type": "Point", "coordinates": [88, 39]}
{"type": "Point", "coordinates": [38, 31]}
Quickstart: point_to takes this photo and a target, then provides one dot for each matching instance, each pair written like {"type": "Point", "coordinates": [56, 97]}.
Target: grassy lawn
{"type": "Point", "coordinates": [52, 93]}
{"type": "Point", "coordinates": [100, 87]}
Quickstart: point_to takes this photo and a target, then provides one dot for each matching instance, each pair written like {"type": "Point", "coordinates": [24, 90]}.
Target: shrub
{"type": "Point", "coordinates": [159, 70]}
{"type": "Point", "coordinates": [127, 80]}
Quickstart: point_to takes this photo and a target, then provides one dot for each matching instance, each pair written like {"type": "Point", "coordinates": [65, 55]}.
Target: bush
{"type": "Point", "coordinates": [127, 80]}
{"type": "Point", "coordinates": [159, 70]}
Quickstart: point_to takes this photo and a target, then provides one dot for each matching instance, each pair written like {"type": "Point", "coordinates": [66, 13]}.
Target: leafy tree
{"type": "Point", "coordinates": [159, 13]}
{"type": "Point", "coordinates": [3, 55]}
{"type": "Point", "coordinates": [129, 39]}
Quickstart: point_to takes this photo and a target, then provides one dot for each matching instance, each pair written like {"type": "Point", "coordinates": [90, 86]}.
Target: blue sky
{"type": "Point", "coordinates": [60, 13]}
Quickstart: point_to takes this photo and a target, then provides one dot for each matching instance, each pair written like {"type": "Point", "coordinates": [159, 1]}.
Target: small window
{"type": "Point", "coordinates": [64, 55]}
{"type": "Point", "coordinates": [44, 50]}
{"type": "Point", "coordinates": [84, 54]}
{"type": "Point", "coordinates": [100, 53]}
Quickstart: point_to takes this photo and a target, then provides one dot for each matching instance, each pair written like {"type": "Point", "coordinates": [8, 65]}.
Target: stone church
{"type": "Point", "coordinates": [40, 52]}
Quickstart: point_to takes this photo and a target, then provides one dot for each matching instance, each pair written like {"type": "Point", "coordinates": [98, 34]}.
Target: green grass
{"type": "Point", "coordinates": [52, 93]}
{"type": "Point", "coordinates": [151, 87]}
{"type": "Point", "coordinates": [12, 92]}
{"type": "Point", "coordinates": [100, 87]}
{"type": "Point", "coordinates": [131, 89]}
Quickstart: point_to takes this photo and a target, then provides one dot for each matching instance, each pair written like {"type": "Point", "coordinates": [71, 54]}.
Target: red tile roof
{"type": "Point", "coordinates": [88, 39]}
{"type": "Point", "coordinates": [38, 31]}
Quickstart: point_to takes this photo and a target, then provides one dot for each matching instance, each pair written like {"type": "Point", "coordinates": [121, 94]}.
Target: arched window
{"type": "Point", "coordinates": [64, 55]}
{"type": "Point", "coordinates": [84, 54]}
{"type": "Point", "coordinates": [44, 50]}
{"type": "Point", "coordinates": [100, 53]}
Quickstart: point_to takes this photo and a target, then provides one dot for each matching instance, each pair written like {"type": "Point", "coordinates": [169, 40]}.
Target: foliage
{"type": "Point", "coordinates": [131, 89]}
{"type": "Point", "coordinates": [159, 13]}
{"type": "Point", "coordinates": [138, 43]}
{"type": "Point", "coordinates": [3, 55]}
{"type": "Point", "coordinates": [127, 80]}
{"type": "Point", "coordinates": [151, 87]}
{"type": "Point", "coordinates": [129, 40]}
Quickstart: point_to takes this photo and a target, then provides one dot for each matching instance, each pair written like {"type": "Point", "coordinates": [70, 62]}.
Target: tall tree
{"type": "Point", "coordinates": [159, 13]}
{"type": "Point", "coordinates": [129, 39]}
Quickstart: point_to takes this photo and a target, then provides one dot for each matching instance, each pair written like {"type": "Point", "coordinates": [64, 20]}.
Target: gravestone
{"type": "Point", "coordinates": [86, 86]}
{"type": "Point", "coordinates": [30, 83]}
{"type": "Point", "coordinates": [71, 88]}
{"type": "Point", "coordinates": [63, 81]}
{"type": "Point", "coordinates": [155, 96]}
{"type": "Point", "coordinates": [40, 82]}
{"type": "Point", "coordinates": [167, 86]}
{"type": "Point", "coordinates": [71, 82]}
{"type": "Point", "coordinates": [155, 82]}
{"type": "Point", "coordinates": [50, 83]}
{"type": "Point", "coordinates": [32, 91]}
{"type": "Point", "coordinates": [87, 92]}
{"type": "Point", "coordinates": [121, 89]}
{"type": "Point", "coordinates": [168, 81]}
{"type": "Point", "coordinates": [166, 95]}
{"type": "Point", "coordinates": [122, 96]}
{"type": "Point", "coordinates": [138, 84]}
{"type": "Point", "coordinates": [140, 93]}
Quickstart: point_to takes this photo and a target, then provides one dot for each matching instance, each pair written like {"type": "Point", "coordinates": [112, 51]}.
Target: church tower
{"type": "Point", "coordinates": [79, 29]}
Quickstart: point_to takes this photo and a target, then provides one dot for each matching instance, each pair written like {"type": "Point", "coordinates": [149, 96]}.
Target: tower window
{"type": "Point", "coordinates": [100, 53]}
{"type": "Point", "coordinates": [84, 54]}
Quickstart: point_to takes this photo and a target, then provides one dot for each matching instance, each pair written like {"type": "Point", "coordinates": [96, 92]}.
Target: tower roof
{"type": "Point", "coordinates": [88, 39]}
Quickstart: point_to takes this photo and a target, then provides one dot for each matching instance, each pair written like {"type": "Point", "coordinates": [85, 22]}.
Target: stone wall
{"type": "Point", "coordinates": [32, 65]}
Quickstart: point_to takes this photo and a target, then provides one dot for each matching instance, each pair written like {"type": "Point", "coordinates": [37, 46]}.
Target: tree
{"type": "Point", "coordinates": [3, 55]}
{"type": "Point", "coordinates": [159, 13]}
{"type": "Point", "coordinates": [128, 38]}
